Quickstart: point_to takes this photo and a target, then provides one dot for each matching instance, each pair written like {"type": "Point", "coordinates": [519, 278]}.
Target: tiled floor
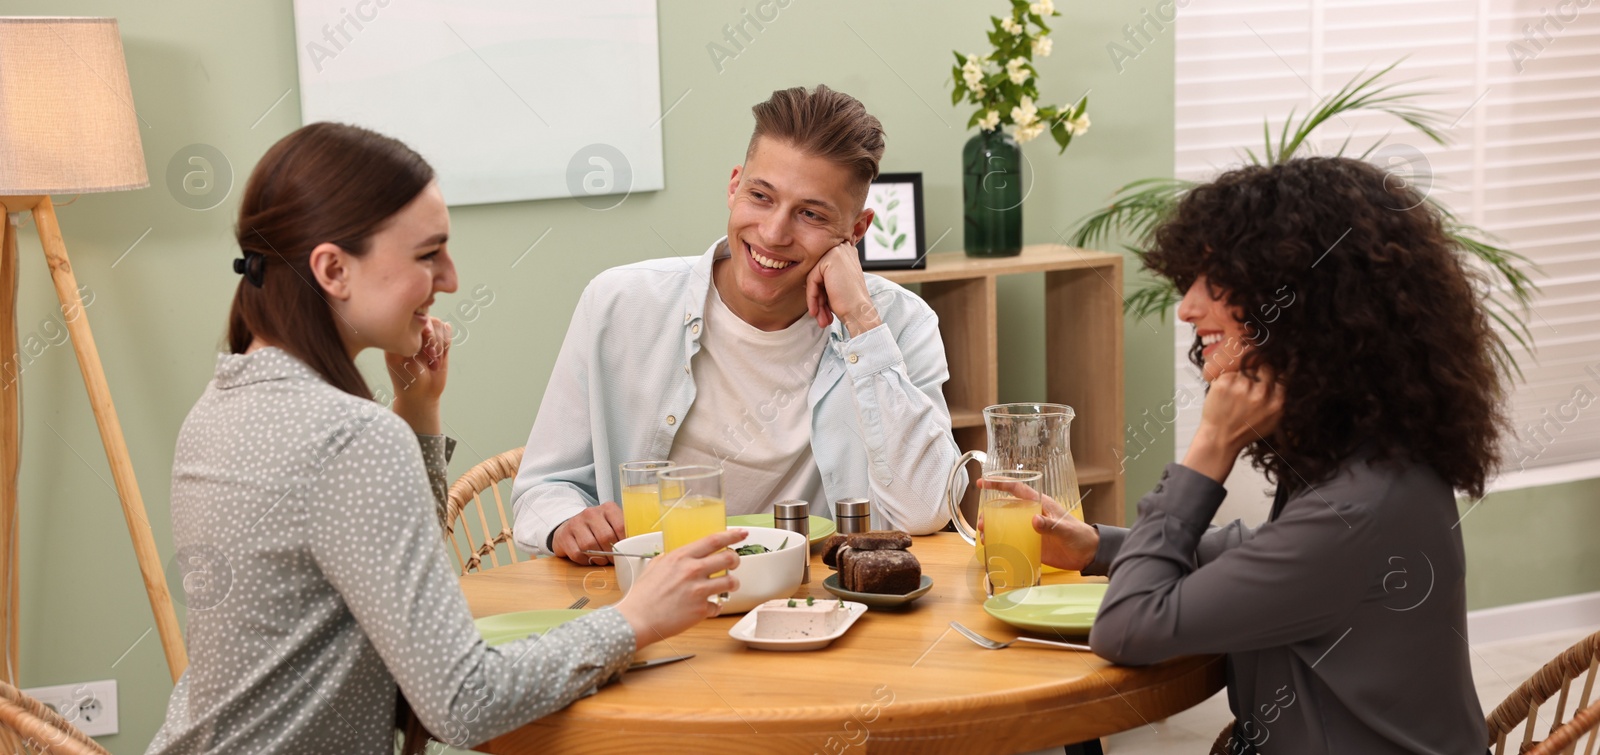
{"type": "Point", "coordinates": [1496, 670]}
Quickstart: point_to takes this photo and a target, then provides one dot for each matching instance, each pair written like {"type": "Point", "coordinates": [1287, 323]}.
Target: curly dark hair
{"type": "Point", "coordinates": [1357, 299]}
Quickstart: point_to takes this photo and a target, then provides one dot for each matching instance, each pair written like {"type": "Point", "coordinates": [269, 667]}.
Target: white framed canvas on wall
{"type": "Point", "coordinates": [508, 99]}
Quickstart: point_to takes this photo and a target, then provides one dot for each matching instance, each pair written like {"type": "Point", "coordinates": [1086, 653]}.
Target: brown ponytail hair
{"type": "Point", "coordinates": [326, 182]}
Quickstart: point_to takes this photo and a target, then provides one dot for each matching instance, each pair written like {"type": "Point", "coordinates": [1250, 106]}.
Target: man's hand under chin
{"type": "Point", "coordinates": [836, 286]}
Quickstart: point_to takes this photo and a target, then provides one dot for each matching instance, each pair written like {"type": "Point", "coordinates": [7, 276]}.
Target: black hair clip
{"type": "Point", "coordinates": [253, 267]}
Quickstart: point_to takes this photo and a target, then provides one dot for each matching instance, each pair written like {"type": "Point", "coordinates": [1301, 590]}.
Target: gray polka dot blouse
{"type": "Point", "coordinates": [317, 584]}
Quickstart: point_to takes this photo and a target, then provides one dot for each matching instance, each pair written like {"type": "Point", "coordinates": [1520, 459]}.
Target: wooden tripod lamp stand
{"type": "Point", "coordinates": [67, 126]}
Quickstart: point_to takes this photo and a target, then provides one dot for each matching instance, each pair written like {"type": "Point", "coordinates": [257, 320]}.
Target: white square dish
{"type": "Point", "coordinates": [745, 631]}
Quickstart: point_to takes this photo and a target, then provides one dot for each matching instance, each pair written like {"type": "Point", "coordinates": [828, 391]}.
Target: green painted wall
{"type": "Point", "coordinates": [210, 73]}
{"type": "Point", "coordinates": [1532, 544]}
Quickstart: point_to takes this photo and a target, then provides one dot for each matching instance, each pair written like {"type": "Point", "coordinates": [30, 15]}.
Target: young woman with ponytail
{"type": "Point", "coordinates": [328, 601]}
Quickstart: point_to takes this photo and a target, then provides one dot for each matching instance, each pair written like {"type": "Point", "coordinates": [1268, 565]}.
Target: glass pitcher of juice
{"type": "Point", "coordinates": [1025, 436]}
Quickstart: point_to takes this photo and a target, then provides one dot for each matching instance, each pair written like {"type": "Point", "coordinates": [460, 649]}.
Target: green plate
{"type": "Point", "coordinates": [877, 599]}
{"type": "Point", "coordinates": [821, 526]}
{"type": "Point", "coordinates": [503, 628]}
{"type": "Point", "coordinates": [1049, 608]}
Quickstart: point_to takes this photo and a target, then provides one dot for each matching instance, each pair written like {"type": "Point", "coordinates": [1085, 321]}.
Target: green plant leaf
{"type": "Point", "coordinates": [877, 221]}
{"type": "Point", "coordinates": [882, 240]}
{"type": "Point", "coordinates": [1153, 298]}
{"type": "Point", "coordinates": [891, 205]}
{"type": "Point", "coordinates": [899, 242]}
{"type": "Point", "coordinates": [1363, 92]}
{"type": "Point", "coordinates": [1135, 210]}
{"type": "Point", "coordinates": [894, 225]}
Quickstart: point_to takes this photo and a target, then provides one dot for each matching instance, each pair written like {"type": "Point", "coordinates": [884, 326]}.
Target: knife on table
{"type": "Point", "coordinates": [636, 665]}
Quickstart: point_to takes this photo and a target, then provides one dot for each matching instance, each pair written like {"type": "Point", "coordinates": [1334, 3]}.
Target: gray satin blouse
{"type": "Point", "coordinates": [1343, 616]}
{"type": "Point", "coordinates": [317, 584]}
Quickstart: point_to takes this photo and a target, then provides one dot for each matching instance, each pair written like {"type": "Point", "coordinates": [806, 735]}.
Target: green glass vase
{"type": "Point", "coordinates": [992, 195]}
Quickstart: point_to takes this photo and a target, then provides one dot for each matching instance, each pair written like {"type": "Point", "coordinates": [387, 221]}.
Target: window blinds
{"type": "Point", "coordinates": [1519, 81]}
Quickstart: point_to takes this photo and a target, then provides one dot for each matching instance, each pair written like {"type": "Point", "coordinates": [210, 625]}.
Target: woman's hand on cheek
{"type": "Point", "coordinates": [419, 378]}
{"type": "Point", "coordinates": [1238, 410]}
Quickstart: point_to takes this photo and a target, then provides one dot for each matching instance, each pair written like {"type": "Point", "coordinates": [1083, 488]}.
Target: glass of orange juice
{"type": "Point", "coordinates": [641, 495]}
{"type": "Point", "coordinates": [691, 505]}
{"type": "Point", "coordinates": [1011, 547]}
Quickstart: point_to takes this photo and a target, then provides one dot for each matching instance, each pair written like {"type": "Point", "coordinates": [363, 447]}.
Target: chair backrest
{"type": "Point", "coordinates": [1225, 744]}
{"type": "Point", "coordinates": [1565, 740]}
{"type": "Point", "coordinates": [32, 726]}
{"type": "Point", "coordinates": [467, 493]}
{"type": "Point", "coordinates": [1521, 707]}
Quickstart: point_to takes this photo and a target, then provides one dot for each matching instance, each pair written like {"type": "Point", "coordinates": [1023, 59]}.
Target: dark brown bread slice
{"type": "Point", "coordinates": [830, 549]}
{"type": "Point", "coordinates": [880, 540]}
{"type": "Point", "coordinates": [876, 540]}
{"type": "Point", "coordinates": [883, 572]}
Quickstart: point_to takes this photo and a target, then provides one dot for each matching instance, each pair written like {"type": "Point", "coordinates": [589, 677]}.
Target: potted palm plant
{"type": "Point", "coordinates": [1138, 208]}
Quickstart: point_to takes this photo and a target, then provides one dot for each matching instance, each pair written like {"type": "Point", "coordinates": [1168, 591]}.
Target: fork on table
{"type": "Point", "coordinates": [993, 645]}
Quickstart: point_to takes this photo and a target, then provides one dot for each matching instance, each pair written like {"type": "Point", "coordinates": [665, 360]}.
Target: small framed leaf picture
{"type": "Point", "coordinates": [895, 239]}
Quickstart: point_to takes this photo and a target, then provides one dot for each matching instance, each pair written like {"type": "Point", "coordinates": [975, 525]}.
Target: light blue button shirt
{"type": "Point", "coordinates": [623, 383]}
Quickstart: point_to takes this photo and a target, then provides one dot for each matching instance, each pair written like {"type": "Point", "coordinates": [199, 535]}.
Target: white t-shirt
{"type": "Point", "coordinates": [750, 414]}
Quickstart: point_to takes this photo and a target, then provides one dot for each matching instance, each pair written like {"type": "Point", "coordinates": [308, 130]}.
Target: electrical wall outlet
{"type": "Point", "coordinates": [90, 706]}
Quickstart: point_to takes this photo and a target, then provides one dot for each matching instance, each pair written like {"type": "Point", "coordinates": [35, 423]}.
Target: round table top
{"type": "Point", "coordinates": [898, 681]}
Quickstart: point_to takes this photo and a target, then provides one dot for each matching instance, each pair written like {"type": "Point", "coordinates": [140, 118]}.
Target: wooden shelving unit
{"type": "Point", "coordinates": [1083, 352]}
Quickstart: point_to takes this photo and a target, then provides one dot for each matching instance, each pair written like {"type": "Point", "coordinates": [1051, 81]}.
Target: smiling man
{"type": "Point", "coordinates": [771, 355]}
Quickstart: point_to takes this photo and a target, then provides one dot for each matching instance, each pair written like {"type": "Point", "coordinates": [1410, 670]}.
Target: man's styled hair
{"type": "Point", "coordinates": [823, 123]}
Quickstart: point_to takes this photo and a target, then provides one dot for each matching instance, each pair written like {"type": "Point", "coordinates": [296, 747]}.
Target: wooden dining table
{"type": "Point", "coordinates": [899, 681]}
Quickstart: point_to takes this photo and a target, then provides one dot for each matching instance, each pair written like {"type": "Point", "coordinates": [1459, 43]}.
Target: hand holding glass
{"type": "Point", "coordinates": [1011, 547]}
{"type": "Point", "coordinates": [692, 508]}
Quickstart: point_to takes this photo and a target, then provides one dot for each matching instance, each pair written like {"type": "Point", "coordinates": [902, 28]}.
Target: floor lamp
{"type": "Point", "coordinates": [67, 126]}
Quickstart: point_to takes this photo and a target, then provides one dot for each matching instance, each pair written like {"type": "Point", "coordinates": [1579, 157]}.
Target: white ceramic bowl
{"type": "Point", "coordinates": [762, 577]}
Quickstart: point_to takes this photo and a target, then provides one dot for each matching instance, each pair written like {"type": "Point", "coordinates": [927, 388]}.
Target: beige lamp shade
{"type": "Point", "coordinates": [67, 123]}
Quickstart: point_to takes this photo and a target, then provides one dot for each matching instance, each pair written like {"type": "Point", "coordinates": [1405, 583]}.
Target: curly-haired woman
{"type": "Point", "coordinates": [1349, 356]}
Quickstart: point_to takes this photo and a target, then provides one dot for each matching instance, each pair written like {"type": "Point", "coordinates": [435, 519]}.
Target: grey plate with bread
{"type": "Point", "coordinates": [874, 599]}
{"type": "Point", "coordinates": [874, 568]}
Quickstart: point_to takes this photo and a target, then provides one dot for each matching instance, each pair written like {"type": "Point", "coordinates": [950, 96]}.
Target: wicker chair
{"type": "Point", "coordinates": [1521, 707]}
{"type": "Point", "coordinates": [1220, 747]}
{"type": "Point", "coordinates": [27, 725]}
{"type": "Point", "coordinates": [466, 493]}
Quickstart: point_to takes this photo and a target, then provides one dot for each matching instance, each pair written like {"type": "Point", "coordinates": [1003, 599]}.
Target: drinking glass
{"type": "Point", "coordinates": [641, 495]}
{"type": "Point", "coordinates": [691, 505]}
{"type": "Point", "coordinates": [1011, 547]}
